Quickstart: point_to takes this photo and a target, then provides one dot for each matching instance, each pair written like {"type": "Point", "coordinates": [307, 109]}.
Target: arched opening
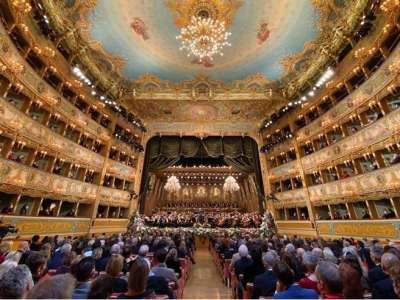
{"type": "Point", "coordinates": [238, 154]}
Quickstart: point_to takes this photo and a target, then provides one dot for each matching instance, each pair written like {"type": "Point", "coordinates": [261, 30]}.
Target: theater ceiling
{"type": "Point", "coordinates": [276, 47]}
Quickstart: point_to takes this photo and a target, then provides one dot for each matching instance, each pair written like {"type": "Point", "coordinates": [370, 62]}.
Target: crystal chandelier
{"type": "Point", "coordinates": [230, 185]}
{"type": "Point", "coordinates": [204, 37]}
{"type": "Point", "coordinates": [172, 185]}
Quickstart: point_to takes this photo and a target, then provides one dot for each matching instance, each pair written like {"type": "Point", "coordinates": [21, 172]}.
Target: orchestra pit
{"type": "Point", "coordinates": [199, 149]}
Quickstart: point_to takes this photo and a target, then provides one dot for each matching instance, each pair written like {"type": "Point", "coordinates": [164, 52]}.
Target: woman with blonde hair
{"type": "Point", "coordinates": [172, 261]}
{"type": "Point", "coordinates": [113, 269]}
{"type": "Point", "coordinates": [5, 247]}
{"type": "Point", "coordinates": [137, 281]}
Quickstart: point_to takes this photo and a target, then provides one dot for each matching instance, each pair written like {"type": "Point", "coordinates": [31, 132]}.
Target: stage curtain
{"type": "Point", "coordinates": [238, 152]}
{"type": "Point", "coordinates": [213, 146]}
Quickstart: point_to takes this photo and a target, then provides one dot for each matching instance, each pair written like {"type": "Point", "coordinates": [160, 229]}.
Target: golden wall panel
{"type": "Point", "coordinates": [297, 232]}
{"type": "Point", "coordinates": [15, 122]}
{"type": "Point", "coordinates": [378, 81]}
{"type": "Point", "coordinates": [110, 223]}
{"type": "Point", "coordinates": [362, 229]}
{"type": "Point", "coordinates": [366, 229]}
{"type": "Point", "coordinates": [294, 224]}
{"type": "Point", "coordinates": [323, 228]}
{"type": "Point", "coordinates": [28, 226]}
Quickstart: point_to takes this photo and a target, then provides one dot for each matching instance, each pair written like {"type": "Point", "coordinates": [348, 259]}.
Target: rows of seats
{"type": "Point", "coordinates": [186, 266]}
{"type": "Point", "coordinates": [229, 277]}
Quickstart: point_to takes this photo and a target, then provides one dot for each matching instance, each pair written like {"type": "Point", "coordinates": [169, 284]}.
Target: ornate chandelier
{"type": "Point", "coordinates": [204, 37]}
{"type": "Point", "coordinates": [230, 185]}
{"type": "Point", "coordinates": [172, 185]}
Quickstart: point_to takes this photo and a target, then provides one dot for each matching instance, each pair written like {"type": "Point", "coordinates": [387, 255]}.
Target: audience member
{"type": "Point", "coordinates": [16, 283]}
{"type": "Point", "coordinates": [56, 259]}
{"type": "Point", "coordinates": [172, 261]}
{"type": "Point", "coordinates": [265, 283]}
{"type": "Point", "coordinates": [35, 243]}
{"type": "Point", "coordinates": [83, 272]}
{"type": "Point", "coordinates": [24, 249]}
{"type": "Point", "coordinates": [56, 287]}
{"type": "Point", "coordinates": [114, 270]}
{"type": "Point", "coordinates": [137, 281]}
{"type": "Point", "coordinates": [160, 268]}
{"type": "Point", "coordinates": [101, 288]}
{"type": "Point", "coordinates": [143, 250]}
{"type": "Point", "coordinates": [351, 274]}
{"type": "Point", "coordinates": [36, 262]}
{"type": "Point", "coordinates": [4, 249]}
{"type": "Point", "coordinates": [310, 262]}
{"type": "Point", "coordinates": [286, 288]}
{"type": "Point", "coordinates": [329, 280]}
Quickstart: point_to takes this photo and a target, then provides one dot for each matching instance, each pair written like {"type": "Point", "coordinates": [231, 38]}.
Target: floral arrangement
{"type": "Point", "coordinates": [267, 226]}
{"type": "Point", "coordinates": [203, 231]}
{"type": "Point", "coordinates": [137, 226]}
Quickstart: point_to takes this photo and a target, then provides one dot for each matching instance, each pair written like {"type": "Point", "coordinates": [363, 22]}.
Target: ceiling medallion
{"type": "Point", "coordinates": [203, 26]}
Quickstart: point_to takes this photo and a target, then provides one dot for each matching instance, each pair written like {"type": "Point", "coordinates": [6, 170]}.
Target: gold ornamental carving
{"type": "Point", "coordinates": [366, 230]}
{"type": "Point", "coordinates": [221, 10]}
{"type": "Point", "coordinates": [323, 228]}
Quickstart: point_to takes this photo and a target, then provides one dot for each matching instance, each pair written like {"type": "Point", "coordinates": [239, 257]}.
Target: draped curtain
{"type": "Point", "coordinates": [239, 152]}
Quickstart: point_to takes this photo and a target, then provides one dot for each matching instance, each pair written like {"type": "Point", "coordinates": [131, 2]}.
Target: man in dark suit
{"type": "Point", "coordinates": [265, 283]}
{"type": "Point", "coordinates": [241, 268]}
{"type": "Point", "coordinates": [381, 284]}
{"type": "Point", "coordinates": [160, 268]}
{"type": "Point", "coordinates": [329, 281]}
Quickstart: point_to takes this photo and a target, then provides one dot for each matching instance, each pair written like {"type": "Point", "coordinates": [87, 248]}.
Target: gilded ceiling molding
{"type": "Point", "coordinates": [202, 129]}
{"type": "Point", "coordinates": [216, 9]}
{"type": "Point", "coordinates": [65, 20]}
{"type": "Point", "coordinates": [337, 22]}
{"type": "Point", "coordinates": [202, 87]}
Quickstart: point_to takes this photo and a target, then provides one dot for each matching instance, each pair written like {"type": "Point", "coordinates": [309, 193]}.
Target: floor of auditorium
{"type": "Point", "coordinates": [204, 280]}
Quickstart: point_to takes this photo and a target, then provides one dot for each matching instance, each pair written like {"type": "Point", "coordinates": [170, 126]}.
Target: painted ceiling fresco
{"type": "Point", "coordinates": [143, 33]}
{"type": "Point", "coordinates": [276, 46]}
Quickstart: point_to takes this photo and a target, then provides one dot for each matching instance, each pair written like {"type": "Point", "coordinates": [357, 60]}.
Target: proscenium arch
{"type": "Point", "coordinates": [240, 152]}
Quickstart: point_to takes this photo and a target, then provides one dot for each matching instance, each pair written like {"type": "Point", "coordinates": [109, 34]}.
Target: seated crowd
{"type": "Point", "coordinates": [284, 268]}
{"type": "Point", "coordinates": [204, 219]}
{"type": "Point", "coordinates": [149, 266]}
